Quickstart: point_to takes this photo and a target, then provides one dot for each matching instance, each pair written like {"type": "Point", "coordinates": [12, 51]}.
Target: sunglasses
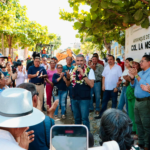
{"type": "Point", "coordinates": [60, 68]}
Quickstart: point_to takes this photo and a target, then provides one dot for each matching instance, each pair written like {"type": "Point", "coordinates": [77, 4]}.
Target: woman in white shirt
{"type": "Point", "coordinates": [123, 99]}
{"type": "Point", "coordinates": [21, 75]}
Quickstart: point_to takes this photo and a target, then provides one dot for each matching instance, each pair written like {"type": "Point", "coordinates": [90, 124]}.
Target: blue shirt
{"type": "Point", "coordinates": [61, 85]}
{"type": "Point", "coordinates": [73, 62]}
{"type": "Point", "coordinates": [66, 68]}
{"type": "Point", "coordinates": [39, 142]}
{"type": "Point", "coordinates": [145, 78]}
{"type": "Point", "coordinates": [33, 70]}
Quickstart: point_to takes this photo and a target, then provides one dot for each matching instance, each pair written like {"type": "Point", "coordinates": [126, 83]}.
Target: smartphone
{"type": "Point", "coordinates": [69, 137]}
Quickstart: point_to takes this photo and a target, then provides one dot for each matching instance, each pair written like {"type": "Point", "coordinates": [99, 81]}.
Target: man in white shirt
{"type": "Point", "coordinates": [111, 75]}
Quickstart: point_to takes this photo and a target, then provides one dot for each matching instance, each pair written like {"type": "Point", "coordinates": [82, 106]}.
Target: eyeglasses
{"type": "Point", "coordinates": [142, 61]}
{"type": "Point", "coordinates": [60, 68]}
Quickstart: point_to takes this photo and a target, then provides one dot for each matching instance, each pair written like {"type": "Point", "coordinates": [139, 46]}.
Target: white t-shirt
{"type": "Point", "coordinates": [45, 66]}
{"type": "Point", "coordinates": [91, 75]}
{"type": "Point", "coordinates": [126, 72]}
{"type": "Point", "coordinates": [21, 77]}
{"type": "Point", "coordinates": [111, 76]}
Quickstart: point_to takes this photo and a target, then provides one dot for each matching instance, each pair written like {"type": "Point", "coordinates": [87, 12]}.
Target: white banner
{"type": "Point", "coordinates": [137, 42]}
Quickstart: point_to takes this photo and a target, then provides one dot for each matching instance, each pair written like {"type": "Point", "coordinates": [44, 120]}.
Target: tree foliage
{"type": "Point", "coordinates": [17, 28]}
{"type": "Point", "coordinates": [76, 51]}
{"type": "Point", "coordinates": [107, 19]}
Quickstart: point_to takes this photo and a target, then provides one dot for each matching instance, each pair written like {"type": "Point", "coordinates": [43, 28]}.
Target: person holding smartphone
{"type": "Point", "coordinates": [59, 80]}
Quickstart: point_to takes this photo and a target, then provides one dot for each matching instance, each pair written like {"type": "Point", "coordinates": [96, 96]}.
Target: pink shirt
{"type": "Point", "coordinates": [50, 75]}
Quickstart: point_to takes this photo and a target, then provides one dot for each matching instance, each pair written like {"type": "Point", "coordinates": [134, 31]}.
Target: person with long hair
{"type": "Point", "coordinates": [49, 83]}
{"type": "Point", "coordinates": [116, 126]}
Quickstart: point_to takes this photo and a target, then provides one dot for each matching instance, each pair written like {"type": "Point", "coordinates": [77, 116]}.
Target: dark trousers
{"type": "Point", "coordinates": [106, 97]}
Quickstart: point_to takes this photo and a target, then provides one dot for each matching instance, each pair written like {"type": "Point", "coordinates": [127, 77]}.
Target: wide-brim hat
{"type": "Point", "coordinates": [16, 109]}
{"type": "Point", "coordinates": [2, 56]}
{"type": "Point", "coordinates": [137, 60]}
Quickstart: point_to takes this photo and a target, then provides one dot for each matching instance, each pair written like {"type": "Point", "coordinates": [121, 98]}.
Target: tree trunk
{"type": "Point", "coordinates": [3, 43]}
{"type": "Point", "coordinates": [9, 40]}
{"type": "Point", "coordinates": [108, 46]}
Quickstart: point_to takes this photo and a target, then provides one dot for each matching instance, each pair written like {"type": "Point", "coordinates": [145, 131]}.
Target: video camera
{"type": "Point", "coordinates": [15, 65]}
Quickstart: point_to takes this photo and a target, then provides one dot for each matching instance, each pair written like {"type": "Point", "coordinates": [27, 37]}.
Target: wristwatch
{"type": "Point", "coordinates": [136, 76]}
{"type": "Point", "coordinates": [84, 76]}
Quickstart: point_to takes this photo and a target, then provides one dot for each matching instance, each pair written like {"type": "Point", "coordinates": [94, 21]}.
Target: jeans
{"type": "Point", "coordinates": [81, 112]}
{"type": "Point", "coordinates": [97, 91]}
{"type": "Point", "coordinates": [70, 95]}
{"type": "Point", "coordinates": [123, 99]}
{"type": "Point", "coordinates": [61, 96]}
{"type": "Point", "coordinates": [106, 97]}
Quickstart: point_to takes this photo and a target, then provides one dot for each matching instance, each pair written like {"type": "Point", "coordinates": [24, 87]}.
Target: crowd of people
{"type": "Point", "coordinates": [83, 80]}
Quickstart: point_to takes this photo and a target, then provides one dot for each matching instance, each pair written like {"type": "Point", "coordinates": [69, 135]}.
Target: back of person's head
{"type": "Point", "coordinates": [117, 59]}
{"type": "Point", "coordinates": [116, 125]}
{"type": "Point", "coordinates": [28, 86]}
{"type": "Point", "coordinates": [129, 59]}
{"type": "Point", "coordinates": [91, 140]}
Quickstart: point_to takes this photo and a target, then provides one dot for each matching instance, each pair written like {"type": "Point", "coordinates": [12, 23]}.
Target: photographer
{"type": "Point", "coordinates": [59, 80]}
{"type": "Point", "coordinates": [21, 74]}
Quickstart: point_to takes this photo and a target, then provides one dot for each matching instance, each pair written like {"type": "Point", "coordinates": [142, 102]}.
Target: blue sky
{"type": "Point", "coordinates": [46, 12]}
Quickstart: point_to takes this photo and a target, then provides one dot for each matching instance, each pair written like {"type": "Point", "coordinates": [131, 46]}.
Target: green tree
{"type": "Point", "coordinates": [76, 51]}
{"type": "Point", "coordinates": [107, 19]}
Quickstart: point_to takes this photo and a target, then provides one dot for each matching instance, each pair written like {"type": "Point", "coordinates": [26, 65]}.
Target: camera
{"type": "Point", "coordinates": [15, 65]}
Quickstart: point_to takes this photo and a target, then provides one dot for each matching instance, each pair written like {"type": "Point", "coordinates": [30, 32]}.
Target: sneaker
{"type": "Point", "coordinates": [63, 117]}
{"type": "Point", "coordinates": [97, 113]}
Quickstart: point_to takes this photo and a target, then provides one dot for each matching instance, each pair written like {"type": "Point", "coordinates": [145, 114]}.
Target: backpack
{"type": "Point", "coordinates": [48, 123]}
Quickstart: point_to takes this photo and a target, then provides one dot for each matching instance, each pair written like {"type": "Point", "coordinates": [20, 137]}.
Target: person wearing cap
{"type": "Point", "coordinates": [16, 115]}
{"type": "Point", "coordinates": [3, 70]}
{"type": "Point", "coordinates": [55, 59]}
{"type": "Point", "coordinates": [2, 60]}
{"type": "Point", "coordinates": [36, 73]}
{"type": "Point", "coordinates": [142, 102]}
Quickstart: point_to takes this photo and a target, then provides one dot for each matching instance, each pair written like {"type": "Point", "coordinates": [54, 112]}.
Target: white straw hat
{"type": "Point", "coordinates": [16, 109]}
{"type": "Point", "coordinates": [136, 60]}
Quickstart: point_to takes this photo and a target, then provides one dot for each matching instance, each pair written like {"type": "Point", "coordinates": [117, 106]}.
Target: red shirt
{"type": "Point", "coordinates": [121, 64]}
{"type": "Point", "coordinates": [101, 62]}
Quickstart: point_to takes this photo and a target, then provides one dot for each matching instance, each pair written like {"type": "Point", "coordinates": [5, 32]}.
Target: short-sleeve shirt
{"type": "Point", "coordinates": [61, 85]}
{"type": "Point", "coordinates": [91, 75]}
{"type": "Point", "coordinates": [33, 70]}
{"type": "Point", "coordinates": [111, 76]}
{"type": "Point", "coordinates": [31, 63]}
{"type": "Point", "coordinates": [50, 74]}
{"type": "Point", "coordinates": [66, 68]}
